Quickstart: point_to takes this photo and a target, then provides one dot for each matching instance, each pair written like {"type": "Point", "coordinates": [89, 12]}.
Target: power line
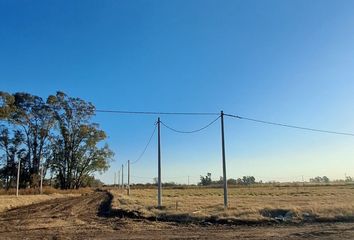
{"type": "Point", "coordinates": [290, 126]}
{"type": "Point", "coordinates": [193, 131]}
{"type": "Point", "coordinates": [216, 114]}
{"type": "Point", "coordinates": [156, 113]}
{"type": "Point", "coordinates": [148, 143]}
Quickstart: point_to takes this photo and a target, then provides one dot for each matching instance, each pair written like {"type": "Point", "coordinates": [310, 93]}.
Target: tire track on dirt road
{"type": "Point", "coordinates": [66, 215]}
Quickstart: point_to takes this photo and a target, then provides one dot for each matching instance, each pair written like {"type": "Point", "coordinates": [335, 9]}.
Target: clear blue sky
{"type": "Point", "coordinates": [283, 61]}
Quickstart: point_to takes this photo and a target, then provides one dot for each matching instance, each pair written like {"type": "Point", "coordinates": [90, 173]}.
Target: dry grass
{"type": "Point", "coordinates": [245, 203]}
{"type": "Point", "coordinates": [8, 199]}
{"type": "Point", "coordinates": [46, 190]}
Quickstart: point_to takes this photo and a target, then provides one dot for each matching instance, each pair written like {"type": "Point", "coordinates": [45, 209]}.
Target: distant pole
{"type": "Point", "coordinates": [18, 176]}
{"type": "Point", "coordinates": [159, 163]}
{"type": "Point", "coordinates": [122, 176]}
{"type": "Point", "coordinates": [188, 180]}
{"type": "Point", "coordinates": [41, 189]}
{"type": "Point", "coordinates": [114, 180]}
{"type": "Point", "coordinates": [118, 179]}
{"type": "Point", "coordinates": [223, 158]}
{"type": "Point", "coordinates": [128, 177]}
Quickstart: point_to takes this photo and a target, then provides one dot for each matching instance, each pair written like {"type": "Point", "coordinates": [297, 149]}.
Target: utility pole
{"type": "Point", "coordinates": [159, 163]}
{"type": "Point", "coordinates": [122, 177]}
{"type": "Point", "coordinates": [41, 189]}
{"type": "Point", "coordinates": [118, 178]}
{"type": "Point", "coordinates": [18, 177]}
{"type": "Point", "coordinates": [128, 177]}
{"type": "Point", "coordinates": [223, 159]}
{"type": "Point", "coordinates": [188, 180]}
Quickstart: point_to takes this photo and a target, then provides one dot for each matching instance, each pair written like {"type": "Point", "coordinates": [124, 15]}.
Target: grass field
{"type": "Point", "coordinates": [333, 202]}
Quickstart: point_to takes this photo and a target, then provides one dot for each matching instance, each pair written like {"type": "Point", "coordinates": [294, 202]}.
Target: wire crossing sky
{"type": "Point", "coordinates": [229, 115]}
{"type": "Point", "coordinates": [282, 66]}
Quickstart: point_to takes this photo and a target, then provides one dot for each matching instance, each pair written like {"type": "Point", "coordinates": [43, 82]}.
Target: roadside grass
{"type": "Point", "coordinates": [260, 203]}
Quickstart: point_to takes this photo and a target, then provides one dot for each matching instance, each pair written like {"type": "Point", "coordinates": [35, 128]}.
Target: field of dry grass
{"type": "Point", "coordinates": [8, 199]}
{"type": "Point", "coordinates": [297, 203]}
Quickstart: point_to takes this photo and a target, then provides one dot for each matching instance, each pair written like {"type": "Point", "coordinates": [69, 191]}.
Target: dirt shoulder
{"type": "Point", "coordinates": [11, 201]}
{"type": "Point", "coordinates": [89, 217]}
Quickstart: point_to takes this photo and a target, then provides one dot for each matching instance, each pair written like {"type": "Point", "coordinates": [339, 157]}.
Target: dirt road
{"type": "Point", "coordinates": [89, 217]}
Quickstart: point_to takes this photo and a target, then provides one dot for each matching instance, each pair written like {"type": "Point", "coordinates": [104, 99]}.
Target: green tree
{"type": "Point", "coordinates": [34, 118]}
{"type": "Point", "coordinates": [77, 151]}
{"type": "Point", "coordinates": [205, 181]}
{"type": "Point", "coordinates": [12, 152]}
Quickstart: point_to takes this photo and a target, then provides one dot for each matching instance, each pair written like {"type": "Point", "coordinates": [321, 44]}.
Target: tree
{"type": "Point", "coordinates": [76, 153]}
{"type": "Point", "coordinates": [325, 179]}
{"type": "Point", "coordinates": [204, 181]}
{"type": "Point", "coordinates": [248, 180]}
{"type": "Point", "coordinates": [319, 179]}
{"type": "Point", "coordinates": [12, 153]}
{"type": "Point", "coordinates": [231, 181]}
{"type": "Point", "coordinates": [30, 115]}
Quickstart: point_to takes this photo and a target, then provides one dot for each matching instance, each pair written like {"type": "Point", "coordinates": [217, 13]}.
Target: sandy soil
{"type": "Point", "coordinates": [90, 217]}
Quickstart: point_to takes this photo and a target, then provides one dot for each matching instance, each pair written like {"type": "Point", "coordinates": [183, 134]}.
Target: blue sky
{"type": "Point", "coordinates": [283, 61]}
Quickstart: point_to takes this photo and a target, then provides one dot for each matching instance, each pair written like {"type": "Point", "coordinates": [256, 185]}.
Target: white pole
{"type": "Point", "coordinates": [159, 184]}
{"type": "Point", "coordinates": [122, 176]}
{"type": "Point", "coordinates": [18, 176]}
{"type": "Point", "coordinates": [128, 177]}
{"type": "Point", "coordinates": [119, 179]}
{"type": "Point", "coordinates": [41, 180]}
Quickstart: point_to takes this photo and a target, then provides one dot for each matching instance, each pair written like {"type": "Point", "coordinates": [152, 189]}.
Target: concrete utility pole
{"type": "Point", "coordinates": [18, 177]}
{"type": "Point", "coordinates": [41, 189]}
{"type": "Point", "coordinates": [122, 176]}
{"type": "Point", "coordinates": [118, 178]}
{"type": "Point", "coordinates": [223, 159]}
{"type": "Point", "coordinates": [128, 177]}
{"type": "Point", "coordinates": [114, 179]}
{"type": "Point", "coordinates": [159, 164]}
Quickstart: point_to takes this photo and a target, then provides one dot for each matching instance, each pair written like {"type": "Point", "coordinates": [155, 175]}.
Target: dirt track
{"type": "Point", "coordinates": [89, 217]}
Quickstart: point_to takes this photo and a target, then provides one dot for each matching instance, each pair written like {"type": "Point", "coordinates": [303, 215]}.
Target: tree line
{"type": "Point", "coordinates": [55, 135]}
{"type": "Point", "coordinates": [245, 180]}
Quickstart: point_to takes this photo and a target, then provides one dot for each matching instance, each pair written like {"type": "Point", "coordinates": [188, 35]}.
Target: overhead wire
{"type": "Point", "coordinates": [290, 126]}
{"type": "Point", "coordinates": [193, 131]}
{"type": "Point", "coordinates": [156, 113]}
{"type": "Point", "coordinates": [218, 114]}
{"type": "Point", "coordinates": [146, 146]}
